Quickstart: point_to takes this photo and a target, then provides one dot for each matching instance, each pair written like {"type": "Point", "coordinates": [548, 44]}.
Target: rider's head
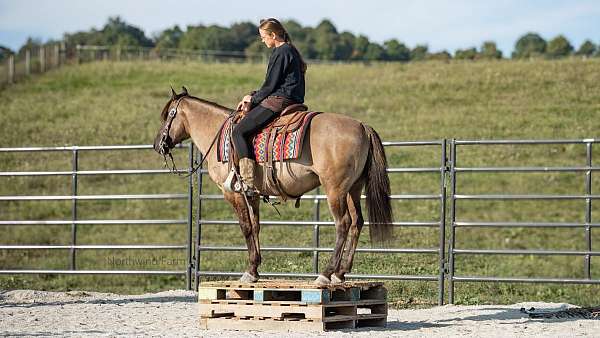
{"type": "Point", "coordinates": [271, 31]}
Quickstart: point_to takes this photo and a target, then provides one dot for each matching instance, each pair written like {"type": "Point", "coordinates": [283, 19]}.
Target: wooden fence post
{"type": "Point", "coordinates": [42, 59]}
{"type": "Point", "coordinates": [11, 68]}
{"type": "Point", "coordinates": [62, 54]}
{"type": "Point", "coordinates": [56, 55]}
{"type": "Point", "coordinates": [27, 62]}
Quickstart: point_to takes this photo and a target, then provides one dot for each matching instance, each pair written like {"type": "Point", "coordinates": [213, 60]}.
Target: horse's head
{"type": "Point", "coordinates": [172, 130]}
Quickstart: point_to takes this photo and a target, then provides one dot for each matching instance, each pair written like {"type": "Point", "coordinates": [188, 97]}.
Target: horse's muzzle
{"type": "Point", "coordinates": [164, 145]}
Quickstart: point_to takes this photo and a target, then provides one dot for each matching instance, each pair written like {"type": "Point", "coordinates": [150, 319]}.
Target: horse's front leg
{"type": "Point", "coordinates": [250, 229]}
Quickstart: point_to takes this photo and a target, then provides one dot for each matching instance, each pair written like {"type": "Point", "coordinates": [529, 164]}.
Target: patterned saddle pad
{"type": "Point", "coordinates": [284, 147]}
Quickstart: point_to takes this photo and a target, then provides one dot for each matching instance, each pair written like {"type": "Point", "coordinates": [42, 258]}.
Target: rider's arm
{"type": "Point", "coordinates": [275, 74]}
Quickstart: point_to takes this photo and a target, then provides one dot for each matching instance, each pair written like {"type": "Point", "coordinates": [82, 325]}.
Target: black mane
{"type": "Point", "coordinates": [165, 110]}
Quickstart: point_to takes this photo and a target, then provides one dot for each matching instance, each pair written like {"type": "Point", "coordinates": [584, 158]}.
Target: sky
{"type": "Point", "coordinates": [442, 25]}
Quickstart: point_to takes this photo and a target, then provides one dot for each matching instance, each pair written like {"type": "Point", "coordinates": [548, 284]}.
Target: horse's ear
{"type": "Point", "coordinates": [184, 90]}
{"type": "Point", "coordinates": [173, 94]}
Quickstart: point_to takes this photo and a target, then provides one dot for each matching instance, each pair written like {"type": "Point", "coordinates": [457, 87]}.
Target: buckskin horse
{"type": "Point", "coordinates": [339, 153]}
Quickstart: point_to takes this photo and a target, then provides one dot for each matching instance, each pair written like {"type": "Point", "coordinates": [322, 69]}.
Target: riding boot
{"type": "Point", "coordinates": [247, 173]}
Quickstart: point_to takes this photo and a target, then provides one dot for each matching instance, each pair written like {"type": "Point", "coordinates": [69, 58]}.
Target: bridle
{"type": "Point", "coordinates": [165, 142]}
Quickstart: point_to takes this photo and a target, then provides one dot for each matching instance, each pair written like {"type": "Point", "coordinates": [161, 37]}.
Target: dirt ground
{"type": "Point", "coordinates": [175, 313]}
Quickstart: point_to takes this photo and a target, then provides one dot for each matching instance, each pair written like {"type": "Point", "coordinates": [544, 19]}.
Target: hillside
{"type": "Point", "coordinates": [119, 103]}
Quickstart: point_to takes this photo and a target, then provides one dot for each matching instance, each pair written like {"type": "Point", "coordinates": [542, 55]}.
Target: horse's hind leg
{"type": "Point", "coordinates": [339, 209]}
{"type": "Point", "coordinates": [355, 228]}
{"type": "Point", "coordinates": [250, 231]}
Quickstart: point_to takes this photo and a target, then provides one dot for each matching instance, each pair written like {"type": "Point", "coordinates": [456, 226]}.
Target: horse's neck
{"type": "Point", "coordinates": [204, 121]}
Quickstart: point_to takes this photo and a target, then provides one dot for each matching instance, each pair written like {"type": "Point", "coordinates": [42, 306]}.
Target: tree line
{"type": "Point", "coordinates": [322, 42]}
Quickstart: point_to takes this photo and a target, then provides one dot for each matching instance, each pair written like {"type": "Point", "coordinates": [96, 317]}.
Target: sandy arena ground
{"type": "Point", "coordinates": [174, 313]}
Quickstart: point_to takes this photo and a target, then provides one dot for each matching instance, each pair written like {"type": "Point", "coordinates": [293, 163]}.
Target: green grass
{"type": "Point", "coordinates": [119, 103]}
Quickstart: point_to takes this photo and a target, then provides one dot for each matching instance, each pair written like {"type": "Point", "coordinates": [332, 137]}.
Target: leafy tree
{"type": "Point", "coordinates": [326, 26]}
{"type": "Point", "coordinates": [191, 37]}
{"type": "Point", "coordinates": [115, 32]}
{"type": "Point", "coordinates": [559, 47]}
{"type": "Point", "coordinates": [490, 51]}
{"type": "Point", "coordinates": [257, 48]}
{"type": "Point", "coordinates": [295, 30]}
{"type": "Point", "coordinates": [345, 46]}
{"type": "Point", "coordinates": [304, 40]}
{"type": "Point", "coordinates": [587, 49]}
{"type": "Point", "coordinates": [93, 37]}
{"type": "Point", "coordinates": [118, 32]}
{"type": "Point", "coordinates": [529, 45]}
{"type": "Point", "coordinates": [396, 51]}
{"type": "Point", "coordinates": [5, 52]}
{"type": "Point", "coordinates": [243, 34]}
{"type": "Point", "coordinates": [169, 38]}
{"type": "Point", "coordinates": [466, 54]}
{"type": "Point", "coordinates": [419, 52]}
{"type": "Point", "coordinates": [439, 56]}
{"type": "Point", "coordinates": [374, 52]}
{"type": "Point", "coordinates": [208, 38]}
{"type": "Point", "coordinates": [327, 41]}
{"type": "Point", "coordinates": [361, 44]}
{"type": "Point", "coordinates": [30, 44]}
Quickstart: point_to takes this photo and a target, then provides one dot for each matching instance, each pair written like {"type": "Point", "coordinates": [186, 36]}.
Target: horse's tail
{"type": "Point", "coordinates": [378, 190]}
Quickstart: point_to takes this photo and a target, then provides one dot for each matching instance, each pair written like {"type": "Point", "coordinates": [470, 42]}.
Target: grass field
{"type": "Point", "coordinates": [119, 103]}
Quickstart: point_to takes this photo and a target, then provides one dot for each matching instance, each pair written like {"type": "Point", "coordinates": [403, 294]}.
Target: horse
{"type": "Point", "coordinates": [339, 153]}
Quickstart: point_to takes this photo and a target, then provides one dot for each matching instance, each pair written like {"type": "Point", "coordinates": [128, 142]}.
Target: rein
{"type": "Point", "coordinates": [167, 152]}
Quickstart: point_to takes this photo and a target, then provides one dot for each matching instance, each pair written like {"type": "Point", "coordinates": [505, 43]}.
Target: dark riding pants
{"type": "Point", "coordinates": [242, 133]}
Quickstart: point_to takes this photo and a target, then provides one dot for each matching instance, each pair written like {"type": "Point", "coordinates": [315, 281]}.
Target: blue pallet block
{"type": "Point", "coordinates": [319, 296]}
{"type": "Point", "coordinates": [259, 296]}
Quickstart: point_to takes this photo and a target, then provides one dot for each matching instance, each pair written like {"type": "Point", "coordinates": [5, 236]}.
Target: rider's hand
{"type": "Point", "coordinates": [245, 104]}
{"type": "Point", "coordinates": [240, 106]}
{"type": "Point", "coordinates": [243, 107]}
{"type": "Point", "coordinates": [247, 99]}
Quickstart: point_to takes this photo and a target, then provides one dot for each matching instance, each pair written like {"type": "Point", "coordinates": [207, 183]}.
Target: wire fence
{"type": "Point", "coordinates": [39, 59]}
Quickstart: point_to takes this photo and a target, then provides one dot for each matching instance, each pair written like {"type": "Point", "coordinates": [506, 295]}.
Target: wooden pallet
{"type": "Point", "coordinates": [290, 291]}
{"type": "Point", "coordinates": [289, 306]}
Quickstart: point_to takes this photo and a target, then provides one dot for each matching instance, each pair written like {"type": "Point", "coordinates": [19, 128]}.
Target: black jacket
{"type": "Point", "coordinates": [284, 76]}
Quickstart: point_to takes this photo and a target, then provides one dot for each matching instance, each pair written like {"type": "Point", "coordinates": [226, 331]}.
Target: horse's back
{"type": "Point", "coordinates": [338, 143]}
{"type": "Point", "coordinates": [337, 131]}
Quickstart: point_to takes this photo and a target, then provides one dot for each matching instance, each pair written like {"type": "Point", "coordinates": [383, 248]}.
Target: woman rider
{"type": "Point", "coordinates": [283, 86]}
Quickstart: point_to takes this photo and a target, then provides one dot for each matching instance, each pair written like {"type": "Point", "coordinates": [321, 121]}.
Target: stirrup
{"type": "Point", "coordinates": [232, 183]}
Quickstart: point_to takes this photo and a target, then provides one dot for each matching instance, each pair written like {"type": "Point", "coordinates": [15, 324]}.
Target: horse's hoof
{"type": "Point", "coordinates": [322, 280]}
{"type": "Point", "coordinates": [336, 280]}
{"type": "Point", "coordinates": [248, 278]}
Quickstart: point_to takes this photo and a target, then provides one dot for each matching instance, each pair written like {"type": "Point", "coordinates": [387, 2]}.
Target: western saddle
{"type": "Point", "coordinates": [289, 120]}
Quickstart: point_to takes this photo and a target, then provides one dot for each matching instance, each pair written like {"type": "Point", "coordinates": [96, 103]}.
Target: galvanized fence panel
{"type": "Point", "coordinates": [455, 196]}
{"type": "Point", "coordinates": [316, 223]}
{"type": "Point", "coordinates": [75, 220]}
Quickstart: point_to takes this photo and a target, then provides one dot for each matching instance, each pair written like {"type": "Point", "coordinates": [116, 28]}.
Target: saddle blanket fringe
{"type": "Point", "coordinates": [291, 149]}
